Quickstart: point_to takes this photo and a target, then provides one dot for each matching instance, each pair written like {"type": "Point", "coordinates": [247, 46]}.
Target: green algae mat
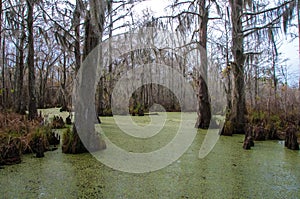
{"type": "Point", "coordinates": [268, 170]}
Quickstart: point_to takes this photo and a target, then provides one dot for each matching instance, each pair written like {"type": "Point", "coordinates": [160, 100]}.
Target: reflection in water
{"type": "Point", "coordinates": [268, 170]}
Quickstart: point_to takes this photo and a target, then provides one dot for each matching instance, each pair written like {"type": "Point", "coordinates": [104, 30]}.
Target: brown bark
{"type": "Point", "coordinates": [30, 63]}
{"type": "Point", "coordinates": [203, 109]}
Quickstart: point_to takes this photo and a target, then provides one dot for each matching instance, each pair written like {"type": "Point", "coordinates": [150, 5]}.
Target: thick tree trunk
{"type": "Point", "coordinates": [203, 109]}
{"type": "Point", "coordinates": [237, 114]}
{"type": "Point", "coordinates": [30, 63]}
{"type": "Point", "coordinates": [92, 39]}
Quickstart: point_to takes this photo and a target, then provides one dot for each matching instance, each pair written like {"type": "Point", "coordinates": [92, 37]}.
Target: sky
{"type": "Point", "coordinates": [291, 51]}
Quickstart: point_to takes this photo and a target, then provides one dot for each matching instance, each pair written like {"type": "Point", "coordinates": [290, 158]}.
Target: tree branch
{"type": "Point", "coordinates": [268, 10]}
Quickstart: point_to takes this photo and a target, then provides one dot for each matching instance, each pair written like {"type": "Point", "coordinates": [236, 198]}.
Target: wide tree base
{"type": "Point", "coordinates": [291, 138]}
{"type": "Point", "coordinates": [72, 143]}
{"type": "Point", "coordinates": [231, 127]}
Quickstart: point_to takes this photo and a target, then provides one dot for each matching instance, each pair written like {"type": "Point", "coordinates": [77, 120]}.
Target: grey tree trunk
{"type": "Point", "coordinates": [93, 34]}
{"type": "Point", "coordinates": [237, 114]}
{"type": "Point", "coordinates": [91, 41]}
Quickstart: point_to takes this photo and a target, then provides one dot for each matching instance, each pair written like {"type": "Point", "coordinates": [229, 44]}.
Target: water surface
{"type": "Point", "coordinates": [267, 171]}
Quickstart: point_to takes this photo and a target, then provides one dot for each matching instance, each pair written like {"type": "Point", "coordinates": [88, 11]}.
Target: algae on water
{"type": "Point", "coordinates": [268, 170]}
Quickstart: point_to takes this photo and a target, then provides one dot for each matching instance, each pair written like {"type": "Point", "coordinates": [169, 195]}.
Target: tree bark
{"type": "Point", "coordinates": [93, 34]}
{"type": "Point", "coordinates": [298, 14]}
{"type": "Point", "coordinates": [20, 108]}
{"type": "Point", "coordinates": [2, 63]}
{"type": "Point", "coordinates": [203, 109]}
{"type": "Point", "coordinates": [291, 138]}
{"type": "Point", "coordinates": [237, 114]}
{"type": "Point", "coordinates": [64, 99]}
{"type": "Point", "coordinates": [30, 63]}
{"type": "Point", "coordinates": [92, 39]}
{"type": "Point", "coordinates": [77, 36]}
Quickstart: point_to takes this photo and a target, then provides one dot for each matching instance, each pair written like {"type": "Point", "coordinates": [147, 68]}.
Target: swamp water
{"type": "Point", "coordinates": [268, 170]}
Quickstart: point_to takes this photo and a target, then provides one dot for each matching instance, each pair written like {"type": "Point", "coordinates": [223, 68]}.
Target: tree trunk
{"type": "Point", "coordinates": [2, 47]}
{"type": "Point", "coordinates": [291, 138]}
{"type": "Point", "coordinates": [256, 78]}
{"type": "Point", "coordinates": [237, 114]}
{"type": "Point", "coordinates": [2, 91]}
{"type": "Point", "coordinates": [92, 38]}
{"type": "Point", "coordinates": [20, 108]}
{"type": "Point", "coordinates": [77, 36]}
{"type": "Point", "coordinates": [248, 141]}
{"type": "Point", "coordinates": [30, 63]}
{"type": "Point", "coordinates": [63, 93]}
{"type": "Point", "coordinates": [298, 14]}
{"type": "Point", "coordinates": [203, 109]}
{"type": "Point", "coordinates": [91, 41]}
{"type": "Point", "coordinates": [110, 66]}
{"type": "Point", "coordinates": [40, 100]}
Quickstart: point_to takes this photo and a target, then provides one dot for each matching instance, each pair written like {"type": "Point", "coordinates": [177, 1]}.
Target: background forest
{"type": "Point", "coordinates": [43, 44]}
{"type": "Point", "coordinates": [229, 53]}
